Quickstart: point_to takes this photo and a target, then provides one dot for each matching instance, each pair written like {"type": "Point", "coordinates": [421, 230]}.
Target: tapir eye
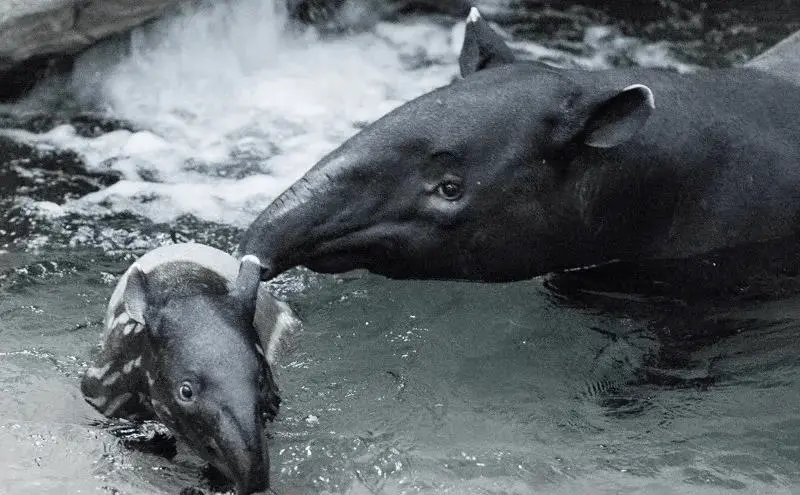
{"type": "Point", "coordinates": [449, 190]}
{"type": "Point", "coordinates": [185, 392]}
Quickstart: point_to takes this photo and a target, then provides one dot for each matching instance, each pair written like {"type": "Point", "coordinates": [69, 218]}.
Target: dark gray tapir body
{"type": "Point", "coordinates": [185, 333]}
{"type": "Point", "coordinates": [520, 169]}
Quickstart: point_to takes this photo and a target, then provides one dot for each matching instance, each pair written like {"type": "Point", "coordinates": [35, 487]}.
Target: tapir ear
{"type": "Point", "coordinates": [619, 118]}
{"type": "Point", "coordinates": [483, 47]}
{"type": "Point", "coordinates": [247, 282]}
{"type": "Point", "coordinates": [135, 296]}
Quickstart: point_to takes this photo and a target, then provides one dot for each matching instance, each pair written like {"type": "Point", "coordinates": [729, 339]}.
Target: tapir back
{"type": "Point", "coordinates": [782, 60]}
{"type": "Point", "coordinates": [716, 165]}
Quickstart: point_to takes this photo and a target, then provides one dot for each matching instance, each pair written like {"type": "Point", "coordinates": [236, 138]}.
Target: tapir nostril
{"type": "Point", "coordinates": [213, 451]}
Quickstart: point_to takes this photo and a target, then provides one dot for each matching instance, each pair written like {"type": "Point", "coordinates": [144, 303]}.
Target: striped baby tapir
{"type": "Point", "coordinates": [189, 338]}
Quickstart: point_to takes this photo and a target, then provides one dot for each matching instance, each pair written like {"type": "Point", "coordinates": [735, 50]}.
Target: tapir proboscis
{"type": "Point", "coordinates": [520, 169]}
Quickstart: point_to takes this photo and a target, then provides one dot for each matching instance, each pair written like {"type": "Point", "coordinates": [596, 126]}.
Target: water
{"type": "Point", "coordinates": [190, 127]}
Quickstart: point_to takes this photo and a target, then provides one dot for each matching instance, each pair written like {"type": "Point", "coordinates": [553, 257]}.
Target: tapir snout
{"type": "Point", "coordinates": [186, 343]}
{"type": "Point", "coordinates": [520, 169]}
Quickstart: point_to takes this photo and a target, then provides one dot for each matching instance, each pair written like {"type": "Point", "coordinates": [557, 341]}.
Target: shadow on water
{"type": "Point", "coordinates": [663, 377]}
{"type": "Point", "coordinates": [652, 378]}
{"type": "Point", "coordinates": [685, 372]}
{"type": "Point", "coordinates": [726, 327]}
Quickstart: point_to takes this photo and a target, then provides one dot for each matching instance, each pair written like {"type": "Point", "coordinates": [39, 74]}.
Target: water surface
{"type": "Point", "coordinates": [583, 384]}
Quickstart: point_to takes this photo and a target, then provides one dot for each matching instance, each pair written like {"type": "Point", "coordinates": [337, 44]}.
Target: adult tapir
{"type": "Point", "coordinates": [520, 169]}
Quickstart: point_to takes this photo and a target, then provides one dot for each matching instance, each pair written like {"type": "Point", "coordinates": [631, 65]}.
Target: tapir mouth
{"type": "Point", "coordinates": [246, 477]}
{"type": "Point", "coordinates": [235, 453]}
{"type": "Point", "coordinates": [343, 257]}
{"type": "Point", "coordinates": [377, 260]}
{"type": "Point", "coordinates": [343, 261]}
{"type": "Point", "coordinates": [214, 456]}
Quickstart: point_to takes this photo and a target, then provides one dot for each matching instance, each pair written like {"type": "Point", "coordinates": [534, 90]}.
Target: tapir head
{"type": "Point", "coordinates": [471, 181]}
{"type": "Point", "coordinates": [208, 380]}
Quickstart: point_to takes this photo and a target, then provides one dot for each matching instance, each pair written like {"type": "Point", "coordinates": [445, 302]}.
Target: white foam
{"type": "Point", "coordinates": [233, 108]}
{"type": "Point", "coordinates": [600, 49]}
{"type": "Point", "coordinates": [223, 87]}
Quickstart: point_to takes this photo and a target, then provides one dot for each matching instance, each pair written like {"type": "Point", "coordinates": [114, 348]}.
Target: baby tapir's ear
{"type": "Point", "coordinates": [247, 282]}
{"type": "Point", "coordinates": [135, 296]}
{"type": "Point", "coordinates": [618, 118]}
{"type": "Point", "coordinates": [483, 47]}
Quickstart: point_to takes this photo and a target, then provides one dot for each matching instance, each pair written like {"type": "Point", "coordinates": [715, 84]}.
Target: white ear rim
{"type": "Point", "coordinates": [651, 99]}
{"type": "Point", "coordinates": [252, 259]}
{"type": "Point", "coordinates": [248, 280]}
{"type": "Point", "coordinates": [616, 131]}
{"type": "Point", "coordinates": [474, 15]}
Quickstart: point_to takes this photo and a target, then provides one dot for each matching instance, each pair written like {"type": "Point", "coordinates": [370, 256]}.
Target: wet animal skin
{"type": "Point", "coordinates": [521, 169]}
{"type": "Point", "coordinates": [184, 344]}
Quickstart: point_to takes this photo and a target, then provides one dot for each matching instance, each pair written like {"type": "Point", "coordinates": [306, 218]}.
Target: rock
{"type": "Point", "coordinates": [39, 37]}
{"type": "Point", "coordinates": [34, 28]}
{"type": "Point", "coordinates": [22, 77]}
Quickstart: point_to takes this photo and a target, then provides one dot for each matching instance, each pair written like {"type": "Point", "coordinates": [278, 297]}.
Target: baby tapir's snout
{"type": "Point", "coordinates": [181, 347]}
{"type": "Point", "coordinates": [245, 448]}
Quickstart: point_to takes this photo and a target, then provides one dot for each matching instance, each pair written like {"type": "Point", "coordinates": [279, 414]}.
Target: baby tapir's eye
{"type": "Point", "coordinates": [450, 189]}
{"type": "Point", "coordinates": [185, 392]}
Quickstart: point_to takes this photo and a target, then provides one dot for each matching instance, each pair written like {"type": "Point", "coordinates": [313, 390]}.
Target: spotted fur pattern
{"type": "Point", "coordinates": [117, 385]}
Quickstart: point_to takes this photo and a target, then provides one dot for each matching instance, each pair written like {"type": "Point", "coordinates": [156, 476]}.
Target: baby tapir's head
{"type": "Point", "coordinates": [201, 368]}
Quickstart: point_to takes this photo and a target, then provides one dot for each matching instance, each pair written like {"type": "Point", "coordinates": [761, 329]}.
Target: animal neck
{"type": "Point", "coordinates": [626, 206]}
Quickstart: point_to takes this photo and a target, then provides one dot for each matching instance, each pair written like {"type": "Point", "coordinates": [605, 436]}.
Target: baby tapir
{"type": "Point", "coordinates": [187, 339]}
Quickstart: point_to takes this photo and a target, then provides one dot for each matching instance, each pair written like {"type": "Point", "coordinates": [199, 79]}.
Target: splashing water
{"type": "Point", "coordinates": [233, 103]}
{"type": "Point", "coordinates": [393, 387]}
